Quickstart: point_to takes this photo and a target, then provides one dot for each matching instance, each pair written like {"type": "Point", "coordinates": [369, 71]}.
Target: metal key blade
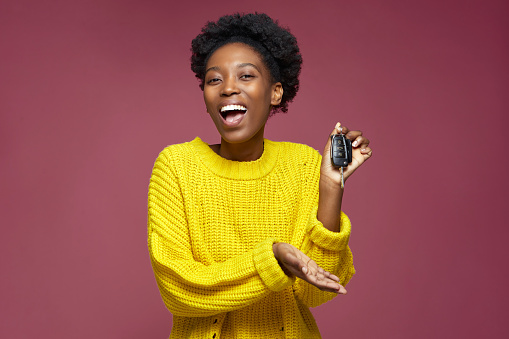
{"type": "Point", "coordinates": [342, 179]}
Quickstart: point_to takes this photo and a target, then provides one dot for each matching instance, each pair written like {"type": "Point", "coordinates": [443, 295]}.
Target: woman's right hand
{"type": "Point", "coordinates": [294, 262]}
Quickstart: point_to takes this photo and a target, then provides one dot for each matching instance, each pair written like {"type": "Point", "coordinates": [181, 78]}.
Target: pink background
{"type": "Point", "coordinates": [91, 91]}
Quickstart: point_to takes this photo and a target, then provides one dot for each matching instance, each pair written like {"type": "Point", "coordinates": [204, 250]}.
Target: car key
{"type": "Point", "coordinates": [340, 153]}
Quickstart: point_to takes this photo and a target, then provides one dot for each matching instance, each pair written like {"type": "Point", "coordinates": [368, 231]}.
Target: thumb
{"type": "Point", "coordinates": [337, 129]}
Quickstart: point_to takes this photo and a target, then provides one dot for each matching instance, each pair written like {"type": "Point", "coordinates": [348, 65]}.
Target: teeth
{"type": "Point", "coordinates": [233, 108]}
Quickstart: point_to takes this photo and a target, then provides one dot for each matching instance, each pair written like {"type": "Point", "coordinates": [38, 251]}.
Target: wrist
{"type": "Point", "coordinates": [329, 205]}
{"type": "Point", "coordinates": [329, 186]}
{"type": "Point", "coordinates": [274, 250]}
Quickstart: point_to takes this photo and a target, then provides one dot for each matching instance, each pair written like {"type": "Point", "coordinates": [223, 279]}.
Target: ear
{"type": "Point", "coordinates": [277, 94]}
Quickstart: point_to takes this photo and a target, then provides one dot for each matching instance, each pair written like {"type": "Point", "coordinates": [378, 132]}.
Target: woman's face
{"type": "Point", "coordinates": [239, 92]}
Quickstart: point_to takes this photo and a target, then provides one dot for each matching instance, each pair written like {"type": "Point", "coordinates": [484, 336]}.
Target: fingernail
{"type": "Point", "coordinates": [305, 270]}
{"type": "Point", "coordinates": [355, 143]}
{"type": "Point", "coordinates": [338, 125]}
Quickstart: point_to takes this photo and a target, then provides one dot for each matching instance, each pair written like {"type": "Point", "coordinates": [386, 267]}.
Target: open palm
{"type": "Point", "coordinates": [296, 263]}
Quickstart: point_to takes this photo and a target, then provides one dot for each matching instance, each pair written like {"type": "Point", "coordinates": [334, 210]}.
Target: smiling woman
{"type": "Point", "coordinates": [246, 235]}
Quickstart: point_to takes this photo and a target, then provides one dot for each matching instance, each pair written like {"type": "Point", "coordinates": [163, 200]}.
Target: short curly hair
{"type": "Point", "coordinates": [277, 46]}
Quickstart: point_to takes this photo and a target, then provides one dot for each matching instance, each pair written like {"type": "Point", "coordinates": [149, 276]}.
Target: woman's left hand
{"type": "Point", "coordinates": [360, 153]}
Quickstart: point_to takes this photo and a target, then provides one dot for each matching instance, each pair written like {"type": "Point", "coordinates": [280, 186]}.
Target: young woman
{"type": "Point", "coordinates": [246, 235]}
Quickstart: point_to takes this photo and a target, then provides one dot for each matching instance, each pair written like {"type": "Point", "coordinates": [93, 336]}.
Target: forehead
{"type": "Point", "coordinates": [235, 53]}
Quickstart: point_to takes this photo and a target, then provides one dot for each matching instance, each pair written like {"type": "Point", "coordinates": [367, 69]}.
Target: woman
{"type": "Point", "coordinates": [246, 235]}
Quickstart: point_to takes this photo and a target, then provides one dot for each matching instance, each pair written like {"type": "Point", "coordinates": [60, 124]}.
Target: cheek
{"type": "Point", "coordinates": [206, 99]}
{"type": "Point", "coordinates": [260, 95]}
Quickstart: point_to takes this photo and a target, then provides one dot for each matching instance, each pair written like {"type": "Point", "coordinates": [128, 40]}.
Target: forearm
{"type": "Point", "coordinates": [329, 204]}
{"type": "Point", "coordinates": [192, 289]}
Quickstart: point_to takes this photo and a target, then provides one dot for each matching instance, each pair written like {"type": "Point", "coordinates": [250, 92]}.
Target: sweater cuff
{"type": "Point", "coordinates": [322, 237]}
{"type": "Point", "coordinates": [268, 268]}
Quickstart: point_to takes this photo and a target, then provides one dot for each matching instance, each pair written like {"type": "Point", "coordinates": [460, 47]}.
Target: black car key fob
{"type": "Point", "coordinates": [340, 150]}
{"type": "Point", "coordinates": [340, 153]}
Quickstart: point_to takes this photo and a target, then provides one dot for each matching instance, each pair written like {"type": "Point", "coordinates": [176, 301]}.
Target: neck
{"type": "Point", "coordinates": [245, 151]}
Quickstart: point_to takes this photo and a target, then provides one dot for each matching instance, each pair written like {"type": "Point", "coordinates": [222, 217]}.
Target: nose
{"type": "Point", "coordinates": [230, 87]}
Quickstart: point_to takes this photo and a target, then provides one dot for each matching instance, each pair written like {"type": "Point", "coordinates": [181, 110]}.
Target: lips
{"type": "Point", "coordinates": [232, 114]}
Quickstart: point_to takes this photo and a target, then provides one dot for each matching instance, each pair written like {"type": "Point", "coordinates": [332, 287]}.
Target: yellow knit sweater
{"type": "Point", "coordinates": [211, 226]}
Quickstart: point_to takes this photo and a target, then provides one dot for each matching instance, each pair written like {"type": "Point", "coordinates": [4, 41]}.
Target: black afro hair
{"type": "Point", "coordinates": [277, 46]}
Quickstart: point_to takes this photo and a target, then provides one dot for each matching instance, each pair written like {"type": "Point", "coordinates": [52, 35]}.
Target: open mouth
{"type": "Point", "coordinates": [233, 113]}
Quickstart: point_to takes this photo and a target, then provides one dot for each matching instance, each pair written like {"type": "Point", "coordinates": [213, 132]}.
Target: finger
{"type": "Point", "coordinates": [303, 265]}
{"type": "Point", "coordinates": [366, 152]}
{"type": "Point", "coordinates": [322, 274]}
{"type": "Point", "coordinates": [296, 262]}
{"type": "Point", "coordinates": [334, 277]}
{"type": "Point", "coordinates": [308, 267]}
{"type": "Point", "coordinates": [331, 276]}
{"type": "Point", "coordinates": [291, 260]}
{"type": "Point", "coordinates": [360, 141]}
{"type": "Point", "coordinates": [352, 135]}
{"type": "Point", "coordinates": [312, 266]}
{"type": "Point", "coordinates": [340, 129]}
{"type": "Point", "coordinates": [322, 279]}
{"type": "Point", "coordinates": [299, 269]}
{"type": "Point", "coordinates": [317, 271]}
{"type": "Point", "coordinates": [327, 285]}
{"type": "Point", "coordinates": [333, 286]}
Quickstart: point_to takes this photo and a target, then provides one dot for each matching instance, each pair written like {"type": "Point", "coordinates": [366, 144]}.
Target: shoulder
{"type": "Point", "coordinates": [175, 158]}
{"type": "Point", "coordinates": [177, 151]}
{"type": "Point", "coordinates": [297, 146]}
{"type": "Point", "coordinates": [181, 148]}
{"type": "Point", "coordinates": [299, 160]}
{"type": "Point", "coordinates": [295, 152]}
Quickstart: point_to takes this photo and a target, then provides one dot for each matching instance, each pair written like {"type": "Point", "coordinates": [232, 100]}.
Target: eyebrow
{"type": "Point", "coordinates": [214, 68]}
{"type": "Point", "coordinates": [245, 64]}
{"type": "Point", "coordinates": [249, 64]}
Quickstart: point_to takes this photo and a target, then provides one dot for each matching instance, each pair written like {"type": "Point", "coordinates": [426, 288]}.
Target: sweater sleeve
{"type": "Point", "coordinates": [330, 251]}
{"type": "Point", "coordinates": [190, 288]}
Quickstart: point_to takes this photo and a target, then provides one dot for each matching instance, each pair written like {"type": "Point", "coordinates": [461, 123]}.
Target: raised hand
{"type": "Point", "coordinates": [360, 153]}
{"type": "Point", "coordinates": [294, 262]}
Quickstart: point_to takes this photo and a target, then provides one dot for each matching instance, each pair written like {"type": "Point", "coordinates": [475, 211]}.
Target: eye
{"type": "Point", "coordinates": [213, 80]}
{"type": "Point", "coordinates": [247, 76]}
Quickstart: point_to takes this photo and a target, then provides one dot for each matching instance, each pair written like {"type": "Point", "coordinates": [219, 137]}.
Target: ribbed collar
{"type": "Point", "coordinates": [238, 170]}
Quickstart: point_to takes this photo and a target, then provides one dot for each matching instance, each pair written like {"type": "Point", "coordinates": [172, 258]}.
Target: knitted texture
{"type": "Point", "coordinates": [211, 226]}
